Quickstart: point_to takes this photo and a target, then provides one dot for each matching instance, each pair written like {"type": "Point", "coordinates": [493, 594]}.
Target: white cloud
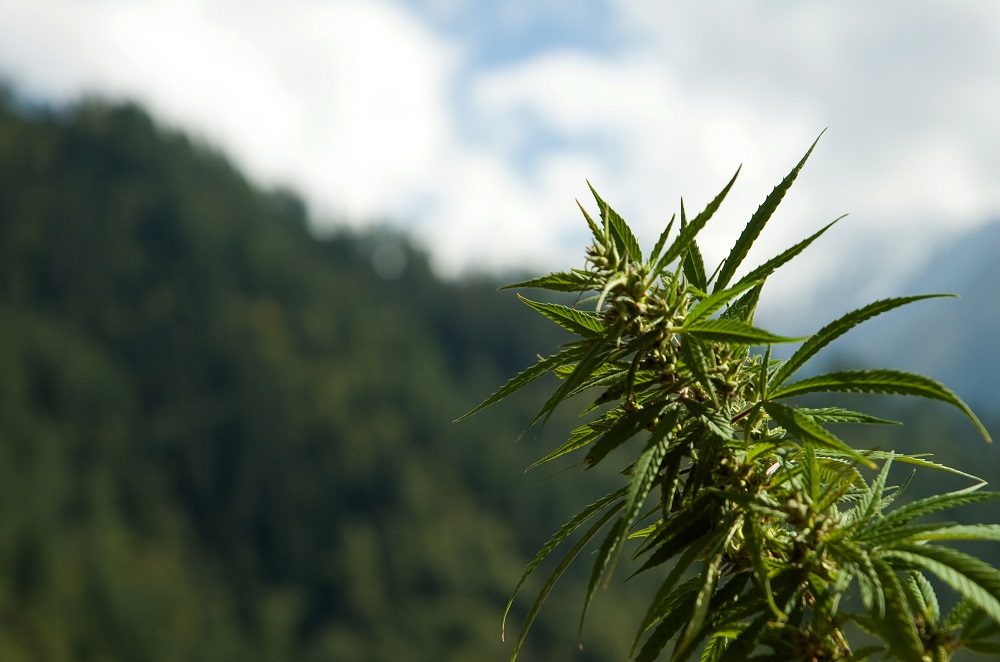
{"type": "Point", "coordinates": [346, 100]}
{"type": "Point", "coordinates": [653, 141]}
{"type": "Point", "coordinates": [373, 114]}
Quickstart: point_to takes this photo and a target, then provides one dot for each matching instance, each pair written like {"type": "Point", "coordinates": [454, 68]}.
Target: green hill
{"type": "Point", "coordinates": [223, 438]}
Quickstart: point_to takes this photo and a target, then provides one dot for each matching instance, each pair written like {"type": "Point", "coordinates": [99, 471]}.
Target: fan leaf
{"type": "Point", "coordinates": [882, 381]}
{"type": "Point", "coordinates": [758, 221]}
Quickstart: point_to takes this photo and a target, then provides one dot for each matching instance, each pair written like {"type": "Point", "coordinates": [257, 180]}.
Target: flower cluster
{"type": "Point", "coordinates": [730, 478]}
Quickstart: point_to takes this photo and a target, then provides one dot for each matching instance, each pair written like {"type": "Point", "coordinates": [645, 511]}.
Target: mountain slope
{"type": "Point", "coordinates": [953, 340]}
{"type": "Point", "coordinates": [224, 438]}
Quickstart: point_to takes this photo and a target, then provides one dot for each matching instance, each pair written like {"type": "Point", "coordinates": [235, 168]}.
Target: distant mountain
{"type": "Point", "coordinates": [956, 340]}
{"type": "Point", "coordinates": [224, 438]}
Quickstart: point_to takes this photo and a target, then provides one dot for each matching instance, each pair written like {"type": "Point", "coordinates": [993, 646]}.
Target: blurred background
{"type": "Point", "coordinates": [249, 254]}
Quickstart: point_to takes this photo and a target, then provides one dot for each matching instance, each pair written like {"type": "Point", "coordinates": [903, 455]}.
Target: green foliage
{"type": "Point", "coordinates": [225, 438]}
{"type": "Point", "coordinates": [732, 482]}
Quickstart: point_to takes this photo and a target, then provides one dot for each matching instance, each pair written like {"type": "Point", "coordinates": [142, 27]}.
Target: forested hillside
{"type": "Point", "coordinates": [225, 438]}
{"type": "Point", "coordinates": [222, 438]}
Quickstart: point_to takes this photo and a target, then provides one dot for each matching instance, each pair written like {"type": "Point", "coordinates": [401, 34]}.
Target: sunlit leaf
{"type": "Point", "coordinates": [878, 381]}
{"type": "Point", "coordinates": [779, 260]}
{"type": "Point", "coordinates": [581, 323]}
{"type": "Point", "coordinates": [757, 222]}
{"type": "Point", "coordinates": [807, 430]}
{"type": "Point", "coordinates": [837, 328]}
{"type": "Point", "coordinates": [554, 578]}
{"type": "Point", "coordinates": [565, 531]}
{"type": "Point", "coordinates": [972, 578]}
{"type": "Point", "coordinates": [573, 281]}
{"type": "Point", "coordinates": [728, 330]}
{"type": "Point", "coordinates": [529, 375]}
{"type": "Point", "coordinates": [896, 624]}
{"type": "Point", "coordinates": [687, 235]}
{"type": "Point", "coordinates": [710, 304]}
{"type": "Point", "coordinates": [694, 263]}
{"type": "Point", "coordinates": [841, 415]}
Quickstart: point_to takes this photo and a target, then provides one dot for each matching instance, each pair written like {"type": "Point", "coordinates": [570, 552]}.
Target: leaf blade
{"type": "Point", "coordinates": [687, 235]}
{"type": "Point", "coordinates": [526, 376]}
{"type": "Point", "coordinates": [759, 220]}
{"type": "Point", "coordinates": [882, 381]}
{"type": "Point", "coordinates": [837, 328]}
{"type": "Point", "coordinates": [560, 281]}
{"type": "Point", "coordinates": [772, 265]}
{"type": "Point", "coordinates": [584, 324]}
{"type": "Point", "coordinates": [730, 330]}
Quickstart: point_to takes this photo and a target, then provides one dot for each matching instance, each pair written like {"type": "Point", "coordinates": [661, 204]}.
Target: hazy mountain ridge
{"type": "Point", "coordinates": [224, 438]}
{"type": "Point", "coordinates": [954, 340]}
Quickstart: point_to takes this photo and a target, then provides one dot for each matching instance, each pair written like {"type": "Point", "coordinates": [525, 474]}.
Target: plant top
{"type": "Point", "coordinates": [754, 521]}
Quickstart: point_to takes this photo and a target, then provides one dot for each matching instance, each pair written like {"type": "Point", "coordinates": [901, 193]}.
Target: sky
{"type": "Point", "coordinates": [473, 125]}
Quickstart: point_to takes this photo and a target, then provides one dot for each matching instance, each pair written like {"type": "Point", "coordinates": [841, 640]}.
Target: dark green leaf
{"type": "Point", "coordinates": [896, 625]}
{"type": "Point", "coordinates": [695, 353]}
{"type": "Point", "coordinates": [834, 330]}
{"type": "Point", "coordinates": [644, 473]}
{"type": "Point", "coordinates": [593, 358]}
{"type": "Point", "coordinates": [769, 267]}
{"type": "Point", "coordinates": [984, 647]}
{"type": "Point", "coordinates": [972, 578]}
{"type": "Point", "coordinates": [554, 577]}
{"type": "Point", "coordinates": [958, 614]}
{"type": "Point", "coordinates": [672, 537]}
{"type": "Point", "coordinates": [529, 375]}
{"type": "Point", "coordinates": [928, 598]}
{"type": "Point", "coordinates": [930, 505]}
{"type": "Point", "coordinates": [727, 330]}
{"type": "Point", "coordinates": [716, 645]}
{"type": "Point", "coordinates": [757, 502]}
{"type": "Point", "coordinates": [757, 556]}
{"type": "Point", "coordinates": [810, 472]}
{"type": "Point", "coordinates": [620, 231]}
{"type": "Point", "coordinates": [757, 223]}
{"type": "Point", "coordinates": [707, 306]}
{"type": "Point", "coordinates": [687, 235]}
{"type": "Point", "coordinates": [573, 281]}
{"type": "Point", "coordinates": [869, 505]}
{"type": "Point", "coordinates": [566, 530]}
{"type": "Point", "coordinates": [616, 533]}
{"type": "Point", "coordinates": [743, 310]}
{"type": "Point", "coordinates": [654, 256]}
{"type": "Point", "coordinates": [673, 611]}
{"type": "Point", "coordinates": [889, 537]}
{"type": "Point", "coordinates": [599, 234]}
{"type": "Point", "coordinates": [807, 430]}
{"type": "Point", "coordinates": [581, 323]}
{"type": "Point", "coordinates": [963, 532]}
{"type": "Point", "coordinates": [577, 440]}
{"type": "Point", "coordinates": [744, 645]}
{"type": "Point", "coordinates": [920, 461]}
{"type": "Point", "coordinates": [626, 428]}
{"type": "Point", "coordinates": [841, 415]}
{"type": "Point", "coordinates": [693, 264]}
{"type": "Point", "coordinates": [699, 612]}
{"type": "Point", "coordinates": [878, 381]}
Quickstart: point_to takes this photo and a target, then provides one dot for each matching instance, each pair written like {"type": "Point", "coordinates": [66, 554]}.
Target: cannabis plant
{"type": "Point", "coordinates": [769, 537]}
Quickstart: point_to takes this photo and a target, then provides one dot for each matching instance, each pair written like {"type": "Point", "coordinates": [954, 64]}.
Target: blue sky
{"type": "Point", "coordinates": [474, 124]}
